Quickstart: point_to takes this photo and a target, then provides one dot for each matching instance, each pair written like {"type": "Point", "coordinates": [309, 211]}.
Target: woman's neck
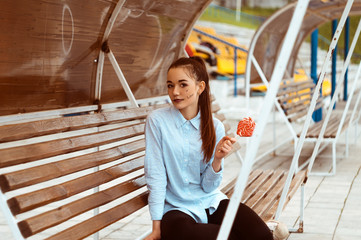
{"type": "Point", "coordinates": [189, 113]}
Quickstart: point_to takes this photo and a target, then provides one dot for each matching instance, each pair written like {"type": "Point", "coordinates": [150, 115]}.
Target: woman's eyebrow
{"type": "Point", "coordinates": [180, 81]}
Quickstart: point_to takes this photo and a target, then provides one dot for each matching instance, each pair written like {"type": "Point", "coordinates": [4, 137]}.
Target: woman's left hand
{"type": "Point", "coordinates": [223, 147]}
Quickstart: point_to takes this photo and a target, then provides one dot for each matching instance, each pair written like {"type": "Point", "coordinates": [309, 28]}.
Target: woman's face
{"type": "Point", "coordinates": [184, 90]}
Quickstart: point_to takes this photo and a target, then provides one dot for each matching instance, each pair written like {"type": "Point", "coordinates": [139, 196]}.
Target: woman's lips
{"type": "Point", "coordinates": [177, 100]}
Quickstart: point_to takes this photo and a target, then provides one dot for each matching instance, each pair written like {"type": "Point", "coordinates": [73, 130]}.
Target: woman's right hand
{"type": "Point", "coordinates": [155, 235]}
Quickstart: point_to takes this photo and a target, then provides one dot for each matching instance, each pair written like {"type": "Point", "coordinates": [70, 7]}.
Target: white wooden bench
{"type": "Point", "coordinates": [68, 177]}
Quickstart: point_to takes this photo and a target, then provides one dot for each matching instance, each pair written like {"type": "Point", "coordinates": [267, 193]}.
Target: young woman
{"type": "Point", "coordinates": [185, 147]}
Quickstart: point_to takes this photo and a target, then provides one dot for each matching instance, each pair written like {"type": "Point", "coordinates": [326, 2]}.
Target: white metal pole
{"type": "Point", "coordinates": [311, 109]}
{"type": "Point", "coordinates": [355, 107]}
{"type": "Point", "coordinates": [238, 10]}
{"type": "Point", "coordinates": [337, 90]}
{"type": "Point", "coordinates": [277, 75]}
{"type": "Point", "coordinates": [250, 55]}
{"type": "Point", "coordinates": [99, 76]}
{"type": "Point", "coordinates": [100, 60]}
{"type": "Point", "coordinates": [10, 218]}
{"type": "Point", "coordinates": [122, 79]}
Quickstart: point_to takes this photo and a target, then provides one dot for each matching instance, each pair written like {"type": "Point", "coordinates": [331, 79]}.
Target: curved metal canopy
{"type": "Point", "coordinates": [268, 39]}
{"type": "Point", "coordinates": [49, 49]}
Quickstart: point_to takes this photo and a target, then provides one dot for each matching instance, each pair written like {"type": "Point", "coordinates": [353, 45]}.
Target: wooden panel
{"type": "Point", "coordinates": [215, 108]}
{"type": "Point", "coordinates": [331, 129]}
{"type": "Point", "coordinates": [296, 95]}
{"type": "Point", "coordinates": [30, 176]}
{"type": "Point", "coordinates": [290, 105]}
{"type": "Point", "coordinates": [295, 87]}
{"type": "Point", "coordinates": [304, 106]}
{"type": "Point", "coordinates": [62, 124]}
{"type": "Point", "coordinates": [301, 114]}
{"type": "Point", "coordinates": [228, 189]}
{"type": "Point", "coordinates": [54, 217]}
{"type": "Point", "coordinates": [28, 201]}
{"type": "Point", "coordinates": [220, 117]}
{"type": "Point", "coordinates": [271, 197]}
{"type": "Point", "coordinates": [102, 220]}
{"type": "Point", "coordinates": [252, 188]}
{"type": "Point", "coordinates": [227, 127]}
{"type": "Point", "coordinates": [265, 188]}
{"type": "Point", "coordinates": [298, 179]}
{"type": "Point", "coordinates": [23, 154]}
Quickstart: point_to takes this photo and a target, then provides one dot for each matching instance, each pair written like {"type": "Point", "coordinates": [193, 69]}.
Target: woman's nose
{"type": "Point", "coordinates": [175, 90]}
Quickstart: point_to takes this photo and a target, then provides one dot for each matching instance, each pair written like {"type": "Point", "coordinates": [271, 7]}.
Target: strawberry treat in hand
{"type": "Point", "coordinates": [245, 127]}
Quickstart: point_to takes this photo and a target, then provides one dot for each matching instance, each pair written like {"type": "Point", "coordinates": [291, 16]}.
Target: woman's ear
{"type": "Point", "coordinates": [201, 87]}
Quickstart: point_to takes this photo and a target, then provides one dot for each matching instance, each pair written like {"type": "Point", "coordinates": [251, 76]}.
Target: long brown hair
{"type": "Point", "coordinates": [197, 69]}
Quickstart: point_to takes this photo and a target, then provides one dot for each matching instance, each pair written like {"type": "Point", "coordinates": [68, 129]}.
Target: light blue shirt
{"type": "Point", "coordinates": [176, 175]}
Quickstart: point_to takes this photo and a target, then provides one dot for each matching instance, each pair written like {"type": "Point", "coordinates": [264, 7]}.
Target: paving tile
{"type": "Point", "coordinates": [313, 236]}
{"type": "Point", "coordinates": [346, 237]}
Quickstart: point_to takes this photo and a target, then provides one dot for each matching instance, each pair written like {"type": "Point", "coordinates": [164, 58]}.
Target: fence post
{"type": "Point", "coordinates": [334, 62]}
{"type": "Point", "coordinates": [317, 115]}
{"type": "Point", "coordinates": [347, 43]}
{"type": "Point", "coordinates": [235, 71]}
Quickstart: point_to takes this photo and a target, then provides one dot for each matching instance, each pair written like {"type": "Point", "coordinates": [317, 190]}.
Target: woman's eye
{"type": "Point", "coordinates": [169, 85]}
{"type": "Point", "coordinates": [183, 85]}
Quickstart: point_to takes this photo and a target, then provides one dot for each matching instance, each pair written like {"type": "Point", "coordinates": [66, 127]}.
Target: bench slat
{"type": "Point", "coordinates": [271, 197]}
{"type": "Point", "coordinates": [29, 201]}
{"type": "Point", "coordinates": [298, 179]}
{"type": "Point", "coordinates": [289, 105]}
{"type": "Point", "coordinates": [263, 191]}
{"type": "Point", "coordinates": [331, 129]}
{"type": "Point", "coordinates": [23, 154]}
{"type": "Point", "coordinates": [102, 220]}
{"type": "Point", "coordinates": [215, 108]}
{"type": "Point", "coordinates": [229, 188]}
{"type": "Point", "coordinates": [315, 129]}
{"type": "Point", "coordinates": [252, 188]}
{"type": "Point", "coordinates": [295, 87]}
{"type": "Point", "coordinates": [291, 83]}
{"type": "Point", "coordinates": [54, 217]}
{"type": "Point", "coordinates": [303, 107]}
{"type": "Point", "coordinates": [34, 175]}
{"type": "Point", "coordinates": [303, 113]}
{"type": "Point", "coordinates": [220, 117]}
{"type": "Point", "coordinates": [295, 97]}
{"type": "Point", "coordinates": [56, 125]}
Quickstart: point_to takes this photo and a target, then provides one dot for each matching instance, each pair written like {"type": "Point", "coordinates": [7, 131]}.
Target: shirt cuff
{"type": "Point", "coordinates": [156, 211]}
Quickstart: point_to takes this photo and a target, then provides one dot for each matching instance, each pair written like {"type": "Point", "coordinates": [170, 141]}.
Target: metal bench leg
{"type": "Point", "coordinates": [346, 141]}
{"type": "Point", "coordinates": [302, 211]}
{"type": "Point", "coordinates": [297, 167]}
{"type": "Point", "coordinates": [333, 158]}
{"type": "Point", "coordinates": [239, 156]}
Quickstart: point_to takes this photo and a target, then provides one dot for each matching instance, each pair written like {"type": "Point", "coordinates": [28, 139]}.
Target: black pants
{"type": "Point", "coordinates": [177, 225]}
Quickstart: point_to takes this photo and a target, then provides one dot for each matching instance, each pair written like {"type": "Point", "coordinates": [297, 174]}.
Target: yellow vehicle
{"type": "Point", "coordinates": [212, 47]}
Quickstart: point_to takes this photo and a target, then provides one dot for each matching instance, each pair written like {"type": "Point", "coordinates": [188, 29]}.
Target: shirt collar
{"type": "Point", "coordinates": [180, 120]}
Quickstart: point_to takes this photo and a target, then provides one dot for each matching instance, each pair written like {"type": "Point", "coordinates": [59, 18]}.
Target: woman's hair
{"type": "Point", "coordinates": [197, 69]}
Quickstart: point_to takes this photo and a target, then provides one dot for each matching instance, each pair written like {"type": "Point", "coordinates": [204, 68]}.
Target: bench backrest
{"type": "Point", "coordinates": [295, 98]}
